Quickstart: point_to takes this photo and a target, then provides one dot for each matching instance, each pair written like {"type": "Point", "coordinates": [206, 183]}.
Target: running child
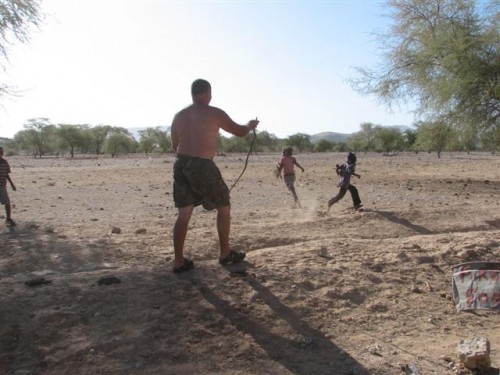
{"type": "Point", "coordinates": [345, 171]}
{"type": "Point", "coordinates": [287, 163]}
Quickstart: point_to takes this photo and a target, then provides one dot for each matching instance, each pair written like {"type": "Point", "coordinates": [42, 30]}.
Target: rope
{"type": "Point", "coordinates": [246, 161]}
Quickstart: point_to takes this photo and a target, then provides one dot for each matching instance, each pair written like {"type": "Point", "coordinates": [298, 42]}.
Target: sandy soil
{"type": "Point", "coordinates": [343, 293]}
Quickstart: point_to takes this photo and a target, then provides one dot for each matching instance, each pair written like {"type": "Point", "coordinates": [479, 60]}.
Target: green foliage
{"type": "Point", "coordinates": [433, 136]}
{"type": "Point", "coordinates": [409, 138]}
{"type": "Point", "coordinates": [16, 19]}
{"type": "Point", "coordinates": [266, 142]}
{"type": "Point", "coordinates": [368, 133]}
{"type": "Point", "coordinates": [388, 139]}
{"type": "Point", "coordinates": [120, 141]}
{"type": "Point", "coordinates": [38, 136]}
{"type": "Point", "coordinates": [235, 144]}
{"type": "Point", "coordinates": [323, 146]}
{"type": "Point", "coordinates": [490, 139]}
{"type": "Point", "coordinates": [358, 142]}
{"type": "Point", "coordinates": [72, 137]}
{"type": "Point", "coordinates": [300, 141]}
{"type": "Point", "coordinates": [444, 56]}
{"type": "Point", "coordinates": [154, 139]}
{"type": "Point", "coordinates": [98, 135]}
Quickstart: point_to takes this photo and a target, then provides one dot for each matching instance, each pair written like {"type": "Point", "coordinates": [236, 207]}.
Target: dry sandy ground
{"type": "Point", "coordinates": [345, 293]}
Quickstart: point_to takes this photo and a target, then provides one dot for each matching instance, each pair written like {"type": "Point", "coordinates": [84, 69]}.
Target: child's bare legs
{"type": "Point", "coordinates": [289, 182]}
{"type": "Point", "coordinates": [294, 193]}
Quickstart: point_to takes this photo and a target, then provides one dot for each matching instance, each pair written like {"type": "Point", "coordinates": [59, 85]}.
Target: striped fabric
{"type": "Point", "coordinates": [4, 171]}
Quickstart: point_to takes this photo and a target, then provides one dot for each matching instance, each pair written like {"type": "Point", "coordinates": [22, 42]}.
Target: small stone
{"type": "Point", "coordinates": [116, 230]}
{"type": "Point", "coordinates": [108, 280]}
{"type": "Point", "coordinates": [468, 254]}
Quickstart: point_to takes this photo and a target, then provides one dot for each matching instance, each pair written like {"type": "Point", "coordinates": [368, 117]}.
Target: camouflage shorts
{"type": "Point", "coordinates": [199, 181]}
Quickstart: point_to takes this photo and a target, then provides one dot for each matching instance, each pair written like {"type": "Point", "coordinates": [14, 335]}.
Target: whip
{"type": "Point", "coordinates": [246, 160]}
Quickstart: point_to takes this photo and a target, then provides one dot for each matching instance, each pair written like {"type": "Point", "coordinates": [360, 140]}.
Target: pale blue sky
{"type": "Point", "coordinates": [130, 63]}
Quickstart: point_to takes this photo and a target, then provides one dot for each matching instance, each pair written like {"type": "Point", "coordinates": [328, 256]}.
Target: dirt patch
{"type": "Point", "coordinates": [339, 293]}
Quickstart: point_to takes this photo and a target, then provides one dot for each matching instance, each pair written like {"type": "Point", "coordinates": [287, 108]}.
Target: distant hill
{"type": "Point", "coordinates": [343, 138]}
{"type": "Point", "coordinates": [330, 137]}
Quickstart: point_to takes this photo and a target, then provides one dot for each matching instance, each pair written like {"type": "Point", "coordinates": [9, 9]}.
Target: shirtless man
{"type": "Point", "coordinates": [197, 179]}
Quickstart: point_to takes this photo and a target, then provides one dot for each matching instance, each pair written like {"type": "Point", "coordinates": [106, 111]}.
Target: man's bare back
{"type": "Point", "coordinates": [195, 129]}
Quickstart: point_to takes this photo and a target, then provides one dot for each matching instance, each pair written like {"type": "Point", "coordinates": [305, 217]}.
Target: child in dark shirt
{"type": "Point", "coordinates": [345, 171]}
{"type": "Point", "coordinates": [4, 197]}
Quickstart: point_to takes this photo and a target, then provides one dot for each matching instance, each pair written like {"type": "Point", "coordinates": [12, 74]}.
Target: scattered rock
{"type": "Point", "coordinates": [375, 350]}
{"type": "Point", "coordinates": [468, 254]}
{"type": "Point", "coordinates": [108, 280]}
{"type": "Point", "coordinates": [425, 259]}
{"type": "Point", "coordinates": [141, 231]}
{"type": "Point", "coordinates": [116, 230]}
{"type": "Point", "coordinates": [474, 353]}
{"type": "Point", "coordinates": [37, 282]}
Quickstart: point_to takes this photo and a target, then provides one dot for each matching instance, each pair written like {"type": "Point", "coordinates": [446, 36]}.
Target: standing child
{"type": "Point", "coordinates": [4, 197]}
{"type": "Point", "coordinates": [287, 163]}
{"type": "Point", "coordinates": [345, 171]}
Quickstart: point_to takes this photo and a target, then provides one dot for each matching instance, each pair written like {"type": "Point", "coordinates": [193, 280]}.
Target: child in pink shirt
{"type": "Point", "coordinates": [287, 163]}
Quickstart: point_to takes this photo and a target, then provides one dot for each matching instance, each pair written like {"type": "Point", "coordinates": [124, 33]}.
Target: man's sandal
{"type": "Point", "coordinates": [187, 265]}
{"type": "Point", "coordinates": [233, 257]}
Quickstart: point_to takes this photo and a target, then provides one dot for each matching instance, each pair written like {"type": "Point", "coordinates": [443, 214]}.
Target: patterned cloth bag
{"type": "Point", "coordinates": [476, 285]}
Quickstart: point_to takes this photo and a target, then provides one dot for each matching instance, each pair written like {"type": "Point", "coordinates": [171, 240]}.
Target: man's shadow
{"type": "Point", "coordinates": [399, 220]}
{"type": "Point", "coordinates": [309, 352]}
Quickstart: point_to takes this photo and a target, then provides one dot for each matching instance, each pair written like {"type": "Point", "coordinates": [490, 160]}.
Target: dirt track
{"type": "Point", "coordinates": [342, 293]}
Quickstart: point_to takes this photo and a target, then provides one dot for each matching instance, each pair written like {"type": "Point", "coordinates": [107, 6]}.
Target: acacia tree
{"type": "Point", "coordinates": [38, 136]}
{"type": "Point", "coordinates": [99, 134]}
{"type": "Point", "coordinates": [120, 141]}
{"type": "Point", "coordinates": [388, 139]}
{"type": "Point", "coordinates": [490, 139]}
{"type": "Point", "coordinates": [368, 133]}
{"type": "Point", "coordinates": [148, 140]}
{"type": "Point", "coordinates": [323, 145]}
{"type": "Point", "coordinates": [357, 141]}
{"type": "Point", "coordinates": [71, 137]}
{"type": "Point", "coordinates": [409, 138]}
{"type": "Point", "coordinates": [16, 19]}
{"type": "Point", "coordinates": [433, 136]}
{"type": "Point", "coordinates": [442, 54]}
{"type": "Point", "coordinates": [300, 141]}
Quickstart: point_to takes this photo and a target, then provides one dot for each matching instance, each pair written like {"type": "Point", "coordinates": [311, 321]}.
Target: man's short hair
{"type": "Point", "coordinates": [200, 86]}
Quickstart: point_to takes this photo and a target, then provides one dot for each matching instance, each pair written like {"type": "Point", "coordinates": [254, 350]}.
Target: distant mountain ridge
{"type": "Point", "coordinates": [343, 138]}
{"type": "Point", "coordinates": [329, 136]}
